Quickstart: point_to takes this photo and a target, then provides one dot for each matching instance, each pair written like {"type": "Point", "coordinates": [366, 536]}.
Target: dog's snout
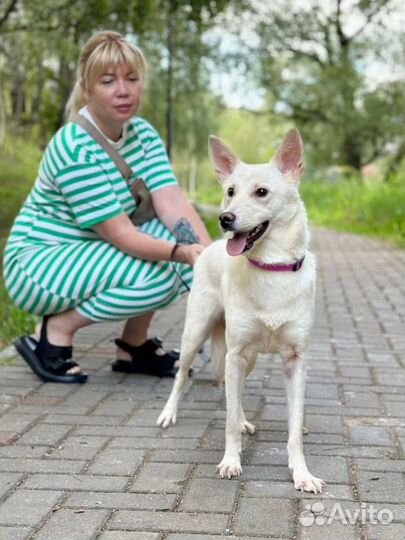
{"type": "Point", "coordinates": [227, 220]}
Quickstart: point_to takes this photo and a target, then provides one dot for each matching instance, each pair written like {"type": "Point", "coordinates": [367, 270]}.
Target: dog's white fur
{"type": "Point", "coordinates": [265, 311]}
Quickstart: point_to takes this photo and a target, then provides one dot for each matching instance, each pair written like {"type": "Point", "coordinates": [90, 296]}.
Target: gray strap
{"type": "Point", "coordinates": [111, 151]}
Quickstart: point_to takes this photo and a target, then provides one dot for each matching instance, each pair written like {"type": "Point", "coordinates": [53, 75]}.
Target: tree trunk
{"type": "Point", "coordinates": [66, 75]}
{"type": "Point", "coordinates": [37, 99]}
{"type": "Point", "coordinates": [351, 151]}
{"type": "Point", "coordinates": [395, 161]}
{"type": "Point", "coordinates": [18, 100]}
{"type": "Point", "coordinates": [3, 121]}
{"type": "Point", "coordinates": [169, 90]}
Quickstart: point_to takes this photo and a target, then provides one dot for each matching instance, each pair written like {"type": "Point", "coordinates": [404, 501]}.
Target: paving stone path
{"type": "Point", "coordinates": [88, 462]}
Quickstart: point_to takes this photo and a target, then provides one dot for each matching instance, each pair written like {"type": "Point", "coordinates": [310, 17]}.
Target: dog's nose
{"type": "Point", "coordinates": [227, 219]}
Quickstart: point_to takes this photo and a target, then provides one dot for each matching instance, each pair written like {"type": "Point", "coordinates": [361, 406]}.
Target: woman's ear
{"type": "Point", "coordinates": [84, 90]}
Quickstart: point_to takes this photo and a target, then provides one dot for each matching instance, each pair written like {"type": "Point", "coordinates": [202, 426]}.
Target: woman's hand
{"type": "Point", "coordinates": [188, 253]}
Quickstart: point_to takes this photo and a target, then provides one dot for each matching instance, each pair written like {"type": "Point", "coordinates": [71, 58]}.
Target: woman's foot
{"type": "Point", "coordinates": [50, 362]}
{"type": "Point", "coordinates": [122, 354]}
{"type": "Point", "coordinates": [148, 358]}
{"type": "Point", "coordinates": [56, 335]}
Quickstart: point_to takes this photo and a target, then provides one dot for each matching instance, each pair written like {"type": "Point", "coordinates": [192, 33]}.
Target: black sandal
{"type": "Point", "coordinates": [145, 360]}
{"type": "Point", "coordinates": [49, 362]}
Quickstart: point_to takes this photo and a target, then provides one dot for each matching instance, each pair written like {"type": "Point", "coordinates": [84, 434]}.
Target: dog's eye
{"type": "Point", "coordinates": [230, 192]}
{"type": "Point", "coordinates": [261, 192]}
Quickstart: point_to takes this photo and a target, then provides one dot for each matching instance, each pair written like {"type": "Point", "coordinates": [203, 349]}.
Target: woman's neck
{"type": "Point", "coordinates": [112, 130]}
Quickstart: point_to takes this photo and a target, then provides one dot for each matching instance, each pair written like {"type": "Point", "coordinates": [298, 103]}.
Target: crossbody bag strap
{"type": "Point", "coordinates": [111, 151]}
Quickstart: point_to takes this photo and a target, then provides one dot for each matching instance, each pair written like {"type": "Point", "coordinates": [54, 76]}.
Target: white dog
{"type": "Point", "coordinates": [254, 293]}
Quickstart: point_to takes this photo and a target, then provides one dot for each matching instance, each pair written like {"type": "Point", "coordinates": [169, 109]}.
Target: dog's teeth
{"type": "Point", "coordinates": [229, 235]}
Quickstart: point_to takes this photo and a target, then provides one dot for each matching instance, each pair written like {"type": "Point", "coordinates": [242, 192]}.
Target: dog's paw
{"type": "Point", "coordinates": [247, 427]}
{"type": "Point", "coordinates": [166, 418]}
{"type": "Point", "coordinates": [307, 482]}
{"type": "Point", "coordinates": [228, 468]}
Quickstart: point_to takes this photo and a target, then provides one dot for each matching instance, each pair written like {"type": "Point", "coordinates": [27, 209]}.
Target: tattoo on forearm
{"type": "Point", "coordinates": [184, 232]}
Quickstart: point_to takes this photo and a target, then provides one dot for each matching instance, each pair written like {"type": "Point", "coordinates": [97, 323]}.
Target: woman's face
{"type": "Point", "coordinates": [114, 98]}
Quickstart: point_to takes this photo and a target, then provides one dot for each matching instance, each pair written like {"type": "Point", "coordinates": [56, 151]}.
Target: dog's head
{"type": "Point", "coordinates": [257, 197]}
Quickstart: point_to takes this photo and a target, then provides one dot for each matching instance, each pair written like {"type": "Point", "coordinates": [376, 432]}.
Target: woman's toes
{"type": "Point", "coordinates": [37, 331]}
{"type": "Point", "coordinates": [74, 370]}
{"type": "Point", "coordinates": [122, 355]}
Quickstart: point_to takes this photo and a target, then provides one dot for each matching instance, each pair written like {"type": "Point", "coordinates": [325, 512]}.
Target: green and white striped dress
{"type": "Point", "coordinates": [54, 261]}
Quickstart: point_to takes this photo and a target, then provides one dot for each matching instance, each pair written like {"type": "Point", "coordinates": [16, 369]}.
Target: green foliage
{"type": "Point", "coordinates": [18, 168]}
{"type": "Point", "coordinates": [253, 137]}
{"type": "Point", "coordinates": [212, 225]}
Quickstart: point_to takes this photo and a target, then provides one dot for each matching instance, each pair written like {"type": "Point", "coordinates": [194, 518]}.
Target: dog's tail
{"type": "Point", "coordinates": [218, 350]}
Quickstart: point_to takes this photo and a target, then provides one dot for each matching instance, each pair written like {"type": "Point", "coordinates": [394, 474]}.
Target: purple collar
{"type": "Point", "coordinates": [278, 267]}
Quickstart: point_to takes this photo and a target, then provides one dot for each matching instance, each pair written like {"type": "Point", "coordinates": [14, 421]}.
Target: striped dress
{"type": "Point", "coordinates": [54, 261]}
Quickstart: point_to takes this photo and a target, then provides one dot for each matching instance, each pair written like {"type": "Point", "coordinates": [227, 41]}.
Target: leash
{"type": "Point", "coordinates": [175, 247]}
{"type": "Point", "coordinates": [179, 276]}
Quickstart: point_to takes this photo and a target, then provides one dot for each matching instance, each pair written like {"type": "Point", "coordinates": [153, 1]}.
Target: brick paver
{"type": "Point", "coordinates": [89, 462]}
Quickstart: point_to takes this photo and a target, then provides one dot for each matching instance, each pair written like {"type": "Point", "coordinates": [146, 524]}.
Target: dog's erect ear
{"type": "Point", "coordinates": [222, 158]}
{"type": "Point", "coordinates": [289, 157]}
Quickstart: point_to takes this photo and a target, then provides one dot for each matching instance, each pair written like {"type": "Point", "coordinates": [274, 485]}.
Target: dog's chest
{"type": "Point", "coordinates": [272, 302]}
{"type": "Point", "coordinates": [265, 309]}
{"type": "Point", "coordinates": [268, 323]}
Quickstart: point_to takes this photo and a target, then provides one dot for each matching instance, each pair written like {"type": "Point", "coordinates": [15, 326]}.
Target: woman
{"type": "Point", "coordinates": [73, 255]}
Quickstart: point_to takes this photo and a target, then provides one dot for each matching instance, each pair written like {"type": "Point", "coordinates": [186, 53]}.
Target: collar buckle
{"type": "Point", "coordinates": [297, 265]}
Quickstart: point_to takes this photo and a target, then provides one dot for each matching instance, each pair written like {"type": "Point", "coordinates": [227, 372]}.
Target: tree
{"type": "Point", "coordinates": [312, 60]}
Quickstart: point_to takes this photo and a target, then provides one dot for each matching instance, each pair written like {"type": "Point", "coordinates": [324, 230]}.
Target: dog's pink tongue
{"type": "Point", "coordinates": [236, 245]}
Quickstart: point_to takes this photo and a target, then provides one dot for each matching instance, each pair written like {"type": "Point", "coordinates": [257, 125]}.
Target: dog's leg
{"type": "Point", "coordinates": [201, 314]}
{"type": "Point", "coordinates": [294, 376]}
{"type": "Point", "coordinates": [169, 414]}
{"type": "Point", "coordinates": [235, 366]}
{"type": "Point", "coordinates": [193, 338]}
{"type": "Point", "coordinates": [245, 425]}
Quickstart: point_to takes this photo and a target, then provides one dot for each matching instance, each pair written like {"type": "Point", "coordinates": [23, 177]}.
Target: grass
{"type": "Point", "coordinates": [375, 209]}
{"type": "Point", "coordinates": [13, 321]}
{"type": "Point", "coordinates": [18, 165]}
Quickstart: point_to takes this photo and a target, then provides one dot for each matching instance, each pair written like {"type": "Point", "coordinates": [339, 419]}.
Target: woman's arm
{"type": "Point", "coordinates": [171, 205]}
{"type": "Point", "coordinates": [179, 216]}
{"type": "Point", "coordinates": [121, 233]}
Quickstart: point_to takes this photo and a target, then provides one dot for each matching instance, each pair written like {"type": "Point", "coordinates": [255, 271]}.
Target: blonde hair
{"type": "Point", "coordinates": [101, 51]}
